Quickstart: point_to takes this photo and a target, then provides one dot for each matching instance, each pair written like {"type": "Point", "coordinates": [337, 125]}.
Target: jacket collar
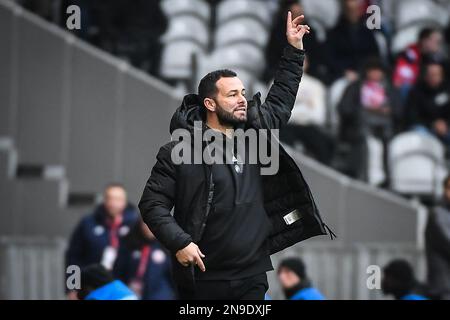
{"type": "Point", "coordinates": [100, 214]}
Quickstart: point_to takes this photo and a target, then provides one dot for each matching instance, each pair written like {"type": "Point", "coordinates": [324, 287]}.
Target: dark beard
{"type": "Point", "coordinates": [227, 118]}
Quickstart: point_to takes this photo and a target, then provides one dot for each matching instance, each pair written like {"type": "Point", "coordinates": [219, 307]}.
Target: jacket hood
{"type": "Point", "coordinates": [187, 113]}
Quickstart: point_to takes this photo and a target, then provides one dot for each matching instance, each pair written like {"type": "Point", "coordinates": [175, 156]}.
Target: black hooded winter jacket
{"type": "Point", "coordinates": [188, 188]}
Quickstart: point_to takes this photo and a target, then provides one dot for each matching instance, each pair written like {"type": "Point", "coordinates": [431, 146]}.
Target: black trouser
{"type": "Point", "coordinates": [253, 288]}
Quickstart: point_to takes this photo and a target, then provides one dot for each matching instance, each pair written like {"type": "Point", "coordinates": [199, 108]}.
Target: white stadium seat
{"type": "Point", "coordinates": [176, 60]}
{"type": "Point", "coordinates": [319, 29]}
{"type": "Point", "coordinates": [382, 44]}
{"type": "Point", "coordinates": [241, 30]}
{"type": "Point", "coordinates": [326, 11]}
{"type": "Point", "coordinates": [376, 173]}
{"type": "Point", "coordinates": [416, 162]}
{"type": "Point", "coordinates": [211, 63]}
{"type": "Point", "coordinates": [412, 12]}
{"type": "Point", "coordinates": [198, 8]}
{"type": "Point", "coordinates": [231, 9]}
{"type": "Point", "coordinates": [187, 28]}
{"type": "Point", "coordinates": [404, 38]}
{"type": "Point", "coordinates": [335, 94]}
{"type": "Point", "coordinates": [240, 56]}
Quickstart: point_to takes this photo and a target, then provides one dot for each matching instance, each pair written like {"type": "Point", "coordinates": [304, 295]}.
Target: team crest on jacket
{"type": "Point", "coordinates": [158, 256]}
{"type": "Point", "coordinates": [99, 230]}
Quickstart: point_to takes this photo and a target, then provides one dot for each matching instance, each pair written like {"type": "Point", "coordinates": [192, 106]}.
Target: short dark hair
{"type": "Point", "coordinates": [93, 277]}
{"type": "Point", "coordinates": [207, 87]}
{"type": "Point", "coordinates": [402, 273]}
{"type": "Point", "coordinates": [373, 63]}
{"type": "Point", "coordinates": [296, 265]}
{"type": "Point", "coordinates": [426, 32]}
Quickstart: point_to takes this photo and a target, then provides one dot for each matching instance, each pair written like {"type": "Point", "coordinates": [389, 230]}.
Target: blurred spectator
{"type": "Point", "coordinates": [308, 119]}
{"type": "Point", "coordinates": [370, 106]}
{"type": "Point", "coordinates": [437, 237]}
{"type": "Point", "coordinates": [98, 236]}
{"type": "Point", "coordinates": [428, 105]}
{"type": "Point", "coordinates": [97, 283]}
{"type": "Point", "coordinates": [399, 281]}
{"type": "Point", "coordinates": [277, 42]}
{"type": "Point", "coordinates": [408, 64]}
{"type": "Point", "coordinates": [447, 35]}
{"type": "Point", "coordinates": [128, 29]}
{"type": "Point", "coordinates": [144, 266]}
{"type": "Point", "coordinates": [350, 42]}
{"type": "Point", "coordinates": [294, 281]}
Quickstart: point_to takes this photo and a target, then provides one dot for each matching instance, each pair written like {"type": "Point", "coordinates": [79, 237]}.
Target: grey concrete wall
{"type": "Point", "coordinates": [358, 212]}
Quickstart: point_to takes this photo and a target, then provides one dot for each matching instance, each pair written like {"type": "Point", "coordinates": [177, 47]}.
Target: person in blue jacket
{"type": "Point", "coordinates": [399, 281]}
{"type": "Point", "coordinates": [97, 283]}
{"type": "Point", "coordinates": [295, 282]}
{"type": "Point", "coordinates": [99, 235]}
{"type": "Point", "coordinates": [144, 265]}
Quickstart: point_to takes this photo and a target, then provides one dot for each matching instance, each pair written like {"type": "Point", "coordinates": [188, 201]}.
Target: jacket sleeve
{"type": "Point", "coordinates": [276, 110]}
{"type": "Point", "coordinates": [158, 200]}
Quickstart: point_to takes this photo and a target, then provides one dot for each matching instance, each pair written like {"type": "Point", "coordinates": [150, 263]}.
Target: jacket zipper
{"type": "Point", "coordinates": [208, 204]}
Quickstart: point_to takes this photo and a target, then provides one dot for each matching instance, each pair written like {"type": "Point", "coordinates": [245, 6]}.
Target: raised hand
{"type": "Point", "coordinates": [296, 31]}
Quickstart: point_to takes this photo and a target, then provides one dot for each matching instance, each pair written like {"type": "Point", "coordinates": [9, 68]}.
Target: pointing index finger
{"type": "Point", "coordinates": [200, 263]}
{"type": "Point", "coordinates": [289, 20]}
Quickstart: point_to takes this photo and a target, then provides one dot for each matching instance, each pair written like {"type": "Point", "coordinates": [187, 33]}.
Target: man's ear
{"type": "Point", "coordinates": [210, 104]}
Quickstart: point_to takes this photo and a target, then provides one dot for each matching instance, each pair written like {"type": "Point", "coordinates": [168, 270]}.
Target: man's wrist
{"type": "Point", "coordinates": [295, 50]}
{"type": "Point", "coordinates": [182, 245]}
{"type": "Point", "coordinates": [298, 45]}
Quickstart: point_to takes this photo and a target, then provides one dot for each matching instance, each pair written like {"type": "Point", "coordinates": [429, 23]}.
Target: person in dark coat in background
{"type": "Point", "coordinates": [129, 29]}
{"type": "Point", "coordinates": [370, 106]}
{"type": "Point", "coordinates": [230, 217]}
{"type": "Point", "coordinates": [350, 42]}
{"type": "Point", "coordinates": [99, 235]}
{"type": "Point", "coordinates": [97, 283]}
{"type": "Point", "coordinates": [399, 281]}
{"type": "Point", "coordinates": [295, 282]}
{"type": "Point", "coordinates": [437, 245]}
{"type": "Point", "coordinates": [277, 42]}
{"type": "Point", "coordinates": [428, 105]}
{"type": "Point", "coordinates": [144, 266]}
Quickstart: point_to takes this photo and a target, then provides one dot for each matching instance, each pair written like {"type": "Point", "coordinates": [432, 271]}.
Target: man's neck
{"type": "Point", "coordinates": [226, 130]}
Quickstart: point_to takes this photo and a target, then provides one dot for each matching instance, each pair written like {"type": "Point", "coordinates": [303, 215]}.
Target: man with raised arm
{"type": "Point", "coordinates": [228, 217]}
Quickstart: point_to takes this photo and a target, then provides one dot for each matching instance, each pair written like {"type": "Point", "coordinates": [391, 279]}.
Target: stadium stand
{"type": "Point", "coordinates": [81, 118]}
{"type": "Point", "coordinates": [417, 162]}
{"type": "Point", "coordinates": [187, 36]}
